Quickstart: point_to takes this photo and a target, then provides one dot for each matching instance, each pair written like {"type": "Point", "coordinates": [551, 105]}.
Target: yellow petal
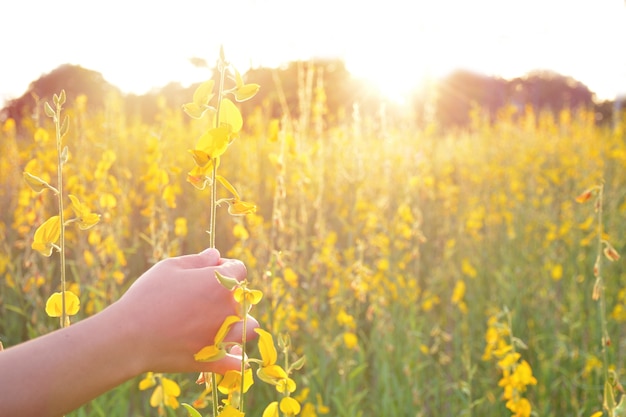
{"type": "Point", "coordinates": [221, 333]}
{"type": "Point", "coordinates": [289, 406]}
{"type": "Point", "coordinates": [266, 347]}
{"type": "Point", "coordinates": [147, 382]}
{"type": "Point", "coordinates": [198, 177]}
{"type": "Point", "coordinates": [209, 354]}
{"type": "Point", "coordinates": [271, 410]}
{"type": "Point", "coordinates": [286, 385]}
{"type": "Point", "coordinates": [214, 142]}
{"type": "Point", "coordinates": [46, 235]}
{"type": "Point", "coordinates": [170, 387]}
{"type": "Point", "coordinates": [156, 399]}
{"type": "Point", "coordinates": [252, 297]}
{"type": "Point", "coordinates": [230, 411]}
{"type": "Point", "coordinates": [240, 208]}
{"type": "Point", "coordinates": [230, 116]}
{"type": "Point", "coordinates": [88, 220]}
{"type": "Point", "coordinates": [272, 374]}
{"type": "Point", "coordinates": [201, 158]}
{"type": "Point", "coordinates": [54, 305]}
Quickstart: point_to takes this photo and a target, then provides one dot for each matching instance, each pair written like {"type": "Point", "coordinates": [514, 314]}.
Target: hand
{"type": "Point", "coordinates": [176, 308]}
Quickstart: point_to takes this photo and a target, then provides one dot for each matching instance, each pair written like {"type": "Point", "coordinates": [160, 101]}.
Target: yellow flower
{"type": "Point", "coordinates": [86, 219]}
{"type": "Point", "coordinates": [289, 406]}
{"type": "Point", "coordinates": [271, 410]}
{"type": "Point", "coordinates": [165, 393]}
{"type": "Point", "coordinates": [211, 145]}
{"type": "Point", "coordinates": [251, 297]}
{"type": "Point", "coordinates": [232, 382]}
{"type": "Point", "coordinates": [54, 305]}
{"type": "Point", "coordinates": [180, 227]}
{"type": "Point", "coordinates": [350, 340]}
{"type": "Point", "coordinates": [230, 411]}
{"type": "Point", "coordinates": [269, 372]}
{"type": "Point", "coordinates": [266, 347]}
{"type": "Point", "coordinates": [216, 350]}
{"type": "Point", "coordinates": [47, 235]}
{"type": "Point", "coordinates": [239, 208]}
{"type": "Point", "coordinates": [286, 385]}
{"type": "Point", "coordinates": [147, 382]}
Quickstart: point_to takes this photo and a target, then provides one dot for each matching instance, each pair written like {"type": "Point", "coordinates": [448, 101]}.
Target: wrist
{"type": "Point", "coordinates": [123, 341]}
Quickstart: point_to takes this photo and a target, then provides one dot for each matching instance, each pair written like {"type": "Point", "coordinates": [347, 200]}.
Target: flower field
{"type": "Point", "coordinates": [421, 272]}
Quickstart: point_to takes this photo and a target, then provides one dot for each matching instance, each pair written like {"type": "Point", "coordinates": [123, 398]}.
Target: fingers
{"type": "Point", "coordinates": [206, 258]}
{"type": "Point", "coordinates": [236, 330]}
{"type": "Point", "coordinates": [230, 362]}
{"type": "Point", "coordinates": [233, 268]}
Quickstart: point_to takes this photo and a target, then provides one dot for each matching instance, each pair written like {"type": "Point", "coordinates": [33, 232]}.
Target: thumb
{"type": "Point", "coordinates": [230, 362]}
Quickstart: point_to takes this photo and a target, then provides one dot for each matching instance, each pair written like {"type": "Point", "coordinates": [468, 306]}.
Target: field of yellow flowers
{"type": "Point", "coordinates": [421, 273]}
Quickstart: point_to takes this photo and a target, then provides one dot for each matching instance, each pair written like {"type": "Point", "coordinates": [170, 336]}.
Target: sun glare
{"type": "Point", "coordinates": [396, 83]}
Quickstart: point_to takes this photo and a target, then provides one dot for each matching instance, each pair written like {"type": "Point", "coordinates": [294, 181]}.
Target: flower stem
{"type": "Point", "coordinates": [600, 283]}
{"type": "Point", "coordinates": [214, 393]}
{"type": "Point", "coordinates": [222, 69]}
{"type": "Point", "coordinates": [60, 163]}
{"type": "Point", "coordinates": [243, 353]}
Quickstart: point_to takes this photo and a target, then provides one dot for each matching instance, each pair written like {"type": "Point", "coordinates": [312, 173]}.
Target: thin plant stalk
{"type": "Point", "coordinates": [599, 290]}
{"type": "Point", "coordinates": [243, 351]}
{"type": "Point", "coordinates": [213, 204]}
{"type": "Point", "coordinates": [61, 248]}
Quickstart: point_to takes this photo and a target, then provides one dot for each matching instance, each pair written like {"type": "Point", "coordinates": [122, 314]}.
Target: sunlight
{"type": "Point", "coordinates": [396, 83]}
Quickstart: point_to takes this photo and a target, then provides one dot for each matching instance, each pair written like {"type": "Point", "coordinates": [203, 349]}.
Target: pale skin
{"type": "Point", "coordinates": [171, 312]}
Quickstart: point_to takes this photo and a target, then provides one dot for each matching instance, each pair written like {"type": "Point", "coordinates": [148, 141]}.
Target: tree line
{"type": "Point", "coordinates": [447, 102]}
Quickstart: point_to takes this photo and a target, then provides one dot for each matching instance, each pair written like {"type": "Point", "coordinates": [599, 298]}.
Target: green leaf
{"type": "Point", "coordinates": [192, 412]}
{"type": "Point", "coordinates": [227, 282]}
{"type": "Point", "coordinates": [246, 92]}
{"type": "Point", "coordinates": [197, 110]}
{"type": "Point", "coordinates": [297, 365]}
{"type": "Point", "coordinates": [204, 93]}
{"type": "Point", "coordinates": [65, 126]}
{"type": "Point", "coordinates": [64, 155]}
{"type": "Point", "coordinates": [620, 409]}
{"type": "Point", "coordinates": [228, 186]}
{"type": "Point", "coordinates": [37, 184]}
{"type": "Point", "coordinates": [609, 397]}
{"type": "Point", "coordinates": [48, 109]}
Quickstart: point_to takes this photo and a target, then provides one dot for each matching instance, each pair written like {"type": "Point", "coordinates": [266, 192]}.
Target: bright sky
{"type": "Point", "coordinates": [138, 45]}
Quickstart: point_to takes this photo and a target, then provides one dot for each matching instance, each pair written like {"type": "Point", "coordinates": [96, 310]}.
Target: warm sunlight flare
{"type": "Point", "coordinates": [394, 44]}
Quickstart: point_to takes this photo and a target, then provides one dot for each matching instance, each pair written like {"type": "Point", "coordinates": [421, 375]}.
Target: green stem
{"type": "Point", "coordinates": [220, 92]}
{"type": "Point", "coordinates": [60, 163]}
{"type": "Point", "coordinates": [243, 355]}
{"type": "Point", "coordinates": [600, 283]}
{"type": "Point", "coordinates": [212, 222]}
{"type": "Point", "coordinates": [214, 393]}
{"type": "Point", "coordinates": [213, 204]}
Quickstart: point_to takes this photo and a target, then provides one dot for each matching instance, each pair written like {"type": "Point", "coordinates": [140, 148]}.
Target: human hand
{"type": "Point", "coordinates": [175, 309]}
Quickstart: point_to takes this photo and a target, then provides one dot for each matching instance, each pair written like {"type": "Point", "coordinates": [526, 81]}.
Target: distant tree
{"type": "Point", "coordinates": [74, 79]}
{"type": "Point", "coordinates": [459, 91]}
{"type": "Point", "coordinates": [546, 90]}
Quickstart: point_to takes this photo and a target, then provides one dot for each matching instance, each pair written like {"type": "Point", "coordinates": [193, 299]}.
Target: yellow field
{"type": "Point", "coordinates": [391, 254]}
